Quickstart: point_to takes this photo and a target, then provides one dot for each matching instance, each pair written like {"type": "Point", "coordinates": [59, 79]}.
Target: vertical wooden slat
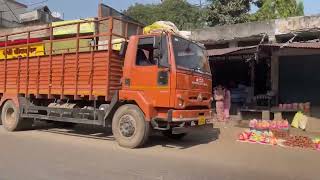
{"type": "Point", "coordinates": [91, 75]}
{"type": "Point", "coordinates": [5, 63]}
{"type": "Point", "coordinates": [50, 62]}
{"type": "Point", "coordinates": [62, 76]}
{"type": "Point", "coordinates": [18, 75]}
{"type": "Point", "coordinates": [27, 69]}
{"type": "Point", "coordinates": [109, 58]}
{"type": "Point", "coordinates": [77, 62]}
{"type": "Point", "coordinates": [126, 31]}
{"type": "Point", "coordinates": [38, 76]}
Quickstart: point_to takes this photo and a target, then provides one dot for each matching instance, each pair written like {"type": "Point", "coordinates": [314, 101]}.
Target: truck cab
{"type": "Point", "coordinates": [169, 78]}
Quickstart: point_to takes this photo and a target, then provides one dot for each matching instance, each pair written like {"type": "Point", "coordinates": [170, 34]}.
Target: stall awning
{"type": "Point", "coordinates": [305, 45]}
{"type": "Point", "coordinates": [232, 51]}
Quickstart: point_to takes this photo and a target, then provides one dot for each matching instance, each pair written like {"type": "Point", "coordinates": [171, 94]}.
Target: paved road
{"type": "Point", "coordinates": [90, 153]}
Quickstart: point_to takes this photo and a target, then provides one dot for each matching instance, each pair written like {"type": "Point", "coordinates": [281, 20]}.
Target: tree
{"type": "Point", "coordinates": [142, 13]}
{"type": "Point", "coordinates": [180, 12]}
{"type": "Point", "coordinates": [273, 9]}
{"type": "Point", "coordinates": [220, 12]}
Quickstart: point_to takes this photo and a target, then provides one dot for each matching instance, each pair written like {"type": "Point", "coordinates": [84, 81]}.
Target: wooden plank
{"type": "Point", "coordinates": [91, 75]}
{"type": "Point", "coordinates": [5, 64]}
{"type": "Point", "coordinates": [27, 69]}
{"type": "Point", "coordinates": [62, 75]}
{"type": "Point", "coordinates": [109, 56]}
{"type": "Point", "coordinates": [77, 62]}
{"type": "Point", "coordinates": [50, 63]}
{"type": "Point", "coordinates": [18, 76]}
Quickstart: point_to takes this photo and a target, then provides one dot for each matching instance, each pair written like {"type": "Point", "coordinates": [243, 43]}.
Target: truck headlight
{"type": "Point", "coordinates": [180, 101]}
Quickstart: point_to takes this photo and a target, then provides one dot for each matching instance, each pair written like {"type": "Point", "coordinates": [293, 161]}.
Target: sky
{"type": "Point", "coordinates": [75, 9]}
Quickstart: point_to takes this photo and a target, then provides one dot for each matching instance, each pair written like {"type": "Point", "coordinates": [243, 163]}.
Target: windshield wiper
{"type": "Point", "coordinates": [196, 69]}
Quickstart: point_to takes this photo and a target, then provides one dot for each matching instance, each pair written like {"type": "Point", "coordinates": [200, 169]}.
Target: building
{"type": "Point", "coordinates": [248, 34]}
{"type": "Point", "coordinates": [37, 16]}
{"type": "Point", "coordinates": [9, 13]}
{"type": "Point", "coordinates": [277, 60]}
{"type": "Point", "coordinates": [15, 14]}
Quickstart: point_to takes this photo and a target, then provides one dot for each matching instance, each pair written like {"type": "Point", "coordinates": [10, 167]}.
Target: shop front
{"type": "Point", "coordinates": [270, 81]}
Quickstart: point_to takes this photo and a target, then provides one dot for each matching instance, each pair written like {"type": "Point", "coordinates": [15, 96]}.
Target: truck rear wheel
{"type": "Point", "coordinates": [129, 126]}
{"type": "Point", "coordinates": [11, 118]}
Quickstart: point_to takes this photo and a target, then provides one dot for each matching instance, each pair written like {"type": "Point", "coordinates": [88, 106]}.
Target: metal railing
{"type": "Point", "coordinates": [104, 29]}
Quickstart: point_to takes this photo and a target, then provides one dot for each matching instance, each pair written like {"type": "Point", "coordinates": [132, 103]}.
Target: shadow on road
{"type": "Point", "coordinates": [194, 138]}
{"type": "Point", "coordinates": [85, 131]}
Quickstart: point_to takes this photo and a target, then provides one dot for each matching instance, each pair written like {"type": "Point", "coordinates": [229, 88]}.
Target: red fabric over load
{"type": "Point", "coordinates": [20, 42]}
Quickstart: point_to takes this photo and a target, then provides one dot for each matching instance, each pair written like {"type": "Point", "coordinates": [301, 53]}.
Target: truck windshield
{"type": "Point", "coordinates": [189, 55]}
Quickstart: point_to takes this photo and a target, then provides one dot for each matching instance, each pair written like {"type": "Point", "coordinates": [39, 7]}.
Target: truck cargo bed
{"type": "Point", "coordinates": [73, 66]}
{"type": "Point", "coordinates": [90, 74]}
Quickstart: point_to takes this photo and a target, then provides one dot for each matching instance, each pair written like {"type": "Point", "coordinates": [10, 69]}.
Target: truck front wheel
{"type": "Point", "coordinates": [129, 126]}
{"type": "Point", "coordinates": [11, 119]}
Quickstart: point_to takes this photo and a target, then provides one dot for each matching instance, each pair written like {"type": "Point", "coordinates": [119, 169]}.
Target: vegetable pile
{"type": "Point", "coordinates": [300, 141]}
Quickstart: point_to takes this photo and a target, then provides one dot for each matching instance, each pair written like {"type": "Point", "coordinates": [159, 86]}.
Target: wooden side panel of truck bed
{"type": "Point", "coordinates": [86, 74]}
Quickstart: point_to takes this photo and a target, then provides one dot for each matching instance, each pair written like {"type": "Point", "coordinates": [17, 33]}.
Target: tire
{"type": "Point", "coordinates": [129, 127]}
{"type": "Point", "coordinates": [169, 134]}
{"type": "Point", "coordinates": [11, 119]}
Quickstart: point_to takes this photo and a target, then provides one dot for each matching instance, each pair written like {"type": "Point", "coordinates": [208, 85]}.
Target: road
{"type": "Point", "coordinates": [87, 153]}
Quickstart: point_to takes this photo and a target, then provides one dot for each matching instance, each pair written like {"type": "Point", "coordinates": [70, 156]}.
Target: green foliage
{"type": "Point", "coordinates": [218, 12]}
{"type": "Point", "coordinates": [273, 9]}
{"type": "Point", "coordinates": [222, 12]}
{"type": "Point", "coordinates": [180, 12]}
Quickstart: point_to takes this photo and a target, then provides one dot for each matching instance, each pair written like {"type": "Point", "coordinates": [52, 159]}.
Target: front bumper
{"type": "Point", "coordinates": [180, 130]}
{"type": "Point", "coordinates": [183, 120]}
{"type": "Point", "coordinates": [190, 115]}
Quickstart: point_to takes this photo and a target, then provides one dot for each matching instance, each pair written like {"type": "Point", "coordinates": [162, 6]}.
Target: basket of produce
{"type": "Point", "coordinates": [299, 141]}
{"type": "Point", "coordinates": [260, 125]}
{"type": "Point", "coordinates": [280, 133]}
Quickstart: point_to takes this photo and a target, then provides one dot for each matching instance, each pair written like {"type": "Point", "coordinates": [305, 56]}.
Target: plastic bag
{"type": "Point", "coordinates": [160, 26]}
{"type": "Point", "coordinates": [303, 122]}
{"type": "Point", "coordinates": [300, 121]}
{"type": "Point", "coordinates": [295, 122]}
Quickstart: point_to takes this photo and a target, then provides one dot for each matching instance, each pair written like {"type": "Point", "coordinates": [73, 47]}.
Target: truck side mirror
{"type": "Point", "coordinates": [123, 49]}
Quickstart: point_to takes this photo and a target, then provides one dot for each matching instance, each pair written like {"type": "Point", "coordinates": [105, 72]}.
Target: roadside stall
{"type": "Point", "coordinates": [294, 77]}
{"type": "Point", "coordinates": [247, 79]}
{"type": "Point", "coordinates": [270, 81]}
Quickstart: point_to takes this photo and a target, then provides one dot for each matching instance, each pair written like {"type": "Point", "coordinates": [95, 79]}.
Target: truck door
{"type": "Point", "coordinates": [147, 75]}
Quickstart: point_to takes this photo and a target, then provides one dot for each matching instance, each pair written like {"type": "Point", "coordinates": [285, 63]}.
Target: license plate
{"type": "Point", "coordinates": [202, 121]}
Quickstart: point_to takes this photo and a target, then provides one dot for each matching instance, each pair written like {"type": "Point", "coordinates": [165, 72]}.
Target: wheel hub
{"type": "Point", "coordinates": [10, 117]}
{"type": "Point", "coordinates": [127, 126]}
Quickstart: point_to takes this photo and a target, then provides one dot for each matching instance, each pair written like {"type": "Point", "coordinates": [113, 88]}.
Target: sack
{"type": "Point", "coordinates": [161, 26]}
{"type": "Point", "coordinates": [300, 121]}
{"type": "Point", "coordinates": [303, 122]}
{"type": "Point", "coordinates": [295, 122]}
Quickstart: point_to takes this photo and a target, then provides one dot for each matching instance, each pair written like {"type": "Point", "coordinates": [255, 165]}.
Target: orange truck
{"type": "Point", "coordinates": [155, 82]}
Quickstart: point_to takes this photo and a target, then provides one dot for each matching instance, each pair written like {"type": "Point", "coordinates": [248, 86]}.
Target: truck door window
{"type": "Point", "coordinates": [147, 55]}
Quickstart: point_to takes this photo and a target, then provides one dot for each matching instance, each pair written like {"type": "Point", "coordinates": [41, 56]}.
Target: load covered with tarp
{"type": "Point", "coordinates": [161, 26]}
